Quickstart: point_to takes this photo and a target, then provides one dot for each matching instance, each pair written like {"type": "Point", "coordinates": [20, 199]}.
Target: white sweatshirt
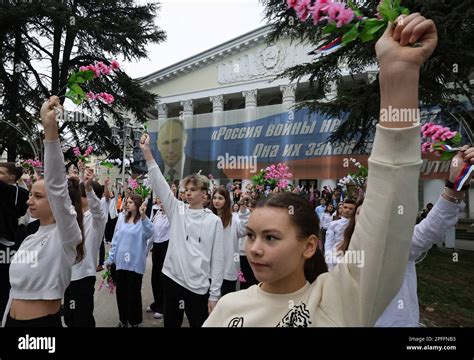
{"type": "Point", "coordinates": [232, 233]}
{"type": "Point", "coordinates": [244, 218]}
{"type": "Point", "coordinates": [404, 310]}
{"type": "Point", "coordinates": [195, 250]}
{"type": "Point", "coordinates": [94, 227]}
{"type": "Point", "coordinates": [41, 268]}
{"type": "Point", "coordinates": [350, 295]}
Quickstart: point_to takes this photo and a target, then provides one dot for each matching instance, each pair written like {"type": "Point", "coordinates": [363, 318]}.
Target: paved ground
{"type": "Point", "coordinates": [105, 310]}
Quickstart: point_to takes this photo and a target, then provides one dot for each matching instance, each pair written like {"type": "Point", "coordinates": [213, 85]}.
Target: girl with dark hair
{"type": "Point", "coordinates": [128, 253]}
{"type": "Point", "coordinates": [294, 289]}
{"type": "Point", "coordinates": [41, 269]}
{"type": "Point", "coordinates": [233, 229]}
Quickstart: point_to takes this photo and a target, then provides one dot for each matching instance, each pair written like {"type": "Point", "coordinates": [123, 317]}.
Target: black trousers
{"type": "Point", "coordinates": [179, 300]}
{"type": "Point", "coordinates": [79, 303]}
{"type": "Point", "coordinates": [110, 228]}
{"type": "Point", "coordinates": [157, 280]}
{"type": "Point", "coordinates": [248, 273]}
{"type": "Point", "coordinates": [129, 297]}
{"type": "Point", "coordinates": [228, 286]}
{"type": "Point", "coordinates": [102, 253]}
{"type": "Point", "coordinates": [53, 320]}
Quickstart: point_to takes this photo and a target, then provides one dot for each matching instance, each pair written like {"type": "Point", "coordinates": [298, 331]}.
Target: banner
{"type": "Point", "coordinates": [236, 144]}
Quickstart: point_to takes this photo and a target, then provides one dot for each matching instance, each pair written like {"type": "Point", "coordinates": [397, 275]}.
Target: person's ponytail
{"type": "Point", "coordinates": [75, 196]}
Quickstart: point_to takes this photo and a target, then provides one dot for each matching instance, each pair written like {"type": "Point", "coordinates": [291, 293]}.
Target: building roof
{"type": "Point", "coordinates": [195, 62]}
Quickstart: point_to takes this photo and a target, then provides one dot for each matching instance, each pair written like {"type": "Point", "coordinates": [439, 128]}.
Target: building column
{"type": "Point", "coordinates": [250, 104]}
{"type": "Point", "coordinates": [162, 111]}
{"type": "Point", "coordinates": [188, 110]}
{"type": "Point", "coordinates": [288, 92]}
{"type": "Point", "coordinates": [162, 114]}
{"type": "Point", "coordinates": [217, 108]}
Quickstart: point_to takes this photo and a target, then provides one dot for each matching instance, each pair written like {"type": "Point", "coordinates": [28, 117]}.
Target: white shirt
{"type": "Point", "coordinates": [41, 268]}
{"type": "Point", "coordinates": [162, 228]}
{"type": "Point", "coordinates": [334, 236]}
{"type": "Point", "coordinates": [94, 227]}
{"type": "Point", "coordinates": [404, 310]}
{"type": "Point", "coordinates": [326, 219]}
{"type": "Point", "coordinates": [195, 251]}
{"type": "Point", "coordinates": [104, 203]}
{"type": "Point", "coordinates": [231, 246]}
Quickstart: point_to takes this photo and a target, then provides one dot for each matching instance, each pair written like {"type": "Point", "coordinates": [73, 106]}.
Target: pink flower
{"type": "Point", "coordinates": [302, 10]}
{"type": "Point", "coordinates": [345, 17]}
{"type": "Point", "coordinates": [425, 147]}
{"type": "Point", "coordinates": [106, 98]}
{"type": "Point", "coordinates": [114, 65]}
{"type": "Point", "coordinates": [83, 68]}
{"type": "Point", "coordinates": [76, 151]}
{"type": "Point", "coordinates": [291, 3]}
{"type": "Point", "coordinates": [132, 183]}
{"type": "Point", "coordinates": [91, 96]}
{"type": "Point", "coordinates": [334, 10]}
{"type": "Point", "coordinates": [318, 9]}
{"type": "Point", "coordinates": [105, 70]}
{"type": "Point", "coordinates": [89, 151]}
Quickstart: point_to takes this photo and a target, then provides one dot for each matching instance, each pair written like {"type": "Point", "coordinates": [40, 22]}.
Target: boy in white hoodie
{"type": "Point", "coordinates": [195, 252]}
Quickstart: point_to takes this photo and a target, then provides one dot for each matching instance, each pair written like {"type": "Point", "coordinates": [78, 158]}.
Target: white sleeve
{"type": "Point", "coordinates": [58, 195]}
{"type": "Point", "coordinates": [432, 229]}
{"type": "Point", "coordinates": [161, 188]}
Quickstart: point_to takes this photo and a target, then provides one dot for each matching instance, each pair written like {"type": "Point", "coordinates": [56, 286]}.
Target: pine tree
{"type": "Point", "coordinates": [41, 42]}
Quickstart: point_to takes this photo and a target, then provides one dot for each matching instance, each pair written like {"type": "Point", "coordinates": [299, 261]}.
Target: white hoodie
{"type": "Point", "coordinates": [232, 233]}
{"type": "Point", "coordinates": [195, 251]}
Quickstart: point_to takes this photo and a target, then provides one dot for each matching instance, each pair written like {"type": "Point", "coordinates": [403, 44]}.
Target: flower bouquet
{"type": "Point", "coordinates": [34, 168]}
{"type": "Point", "coordinates": [273, 176]}
{"type": "Point", "coordinates": [440, 140]}
{"type": "Point", "coordinates": [86, 73]}
{"type": "Point", "coordinates": [354, 182]}
{"type": "Point", "coordinates": [345, 21]}
{"type": "Point", "coordinates": [107, 281]}
{"type": "Point", "coordinates": [142, 189]}
{"type": "Point", "coordinates": [445, 144]}
{"type": "Point", "coordinates": [80, 156]}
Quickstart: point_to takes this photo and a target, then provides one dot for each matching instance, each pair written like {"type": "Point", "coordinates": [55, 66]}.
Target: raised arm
{"type": "Point", "coordinates": [376, 260]}
{"type": "Point", "coordinates": [148, 227]}
{"type": "Point", "coordinates": [158, 182]}
{"type": "Point", "coordinates": [55, 176]}
{"type": "Point", "coordinates": [445, 212]}
{"type": "Point", "coordinates": [95, 205]}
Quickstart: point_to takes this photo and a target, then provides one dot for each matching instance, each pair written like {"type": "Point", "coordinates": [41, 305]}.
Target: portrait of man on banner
{"type": "Point", "coordinates": [175, 164]}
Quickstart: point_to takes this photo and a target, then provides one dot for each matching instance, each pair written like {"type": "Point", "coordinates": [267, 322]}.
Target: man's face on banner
{"type": "Point", "coordinates": [170, 142]}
